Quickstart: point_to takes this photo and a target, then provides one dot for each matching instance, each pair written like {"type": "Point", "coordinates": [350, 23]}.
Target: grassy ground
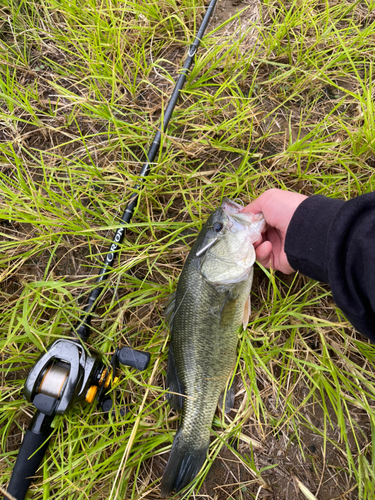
{"type": "Point", "coordinates": [280, 96]}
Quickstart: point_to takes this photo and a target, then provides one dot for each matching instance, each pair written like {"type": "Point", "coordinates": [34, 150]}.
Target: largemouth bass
{"type": "Point", "coordinates": [212, 300]}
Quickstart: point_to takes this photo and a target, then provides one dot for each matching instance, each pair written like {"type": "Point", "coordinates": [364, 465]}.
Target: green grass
{"type": "Point", "coordinates": [83, 86]}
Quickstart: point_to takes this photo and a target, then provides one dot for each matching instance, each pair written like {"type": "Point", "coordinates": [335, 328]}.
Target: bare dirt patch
{"type": "Point", "coordinates": [313, 453]}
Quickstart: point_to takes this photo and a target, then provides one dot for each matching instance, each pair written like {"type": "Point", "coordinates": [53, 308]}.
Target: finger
{"type": "Point", "coordinates": [260, 203]}
{"type": "Point", "coordinates": [263, 253]}
{"type": "Point", "coordinates": [259, 241]}
{"type": "Point", "coordinates": [255, 206]}
{"type": "Point", "coordinates": [279, 258]}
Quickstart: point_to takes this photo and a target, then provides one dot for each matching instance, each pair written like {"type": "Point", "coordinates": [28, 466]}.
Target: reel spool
{"type": "Point", "coordinates": [54, 380]}
{"type": "Point", "coordinates": [65, 373]}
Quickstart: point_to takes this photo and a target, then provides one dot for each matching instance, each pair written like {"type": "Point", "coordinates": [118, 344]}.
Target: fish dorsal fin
{"type": "Point", "coordinates": [168, 307]}
{"type": "Point", "coordinates": [174, 385]}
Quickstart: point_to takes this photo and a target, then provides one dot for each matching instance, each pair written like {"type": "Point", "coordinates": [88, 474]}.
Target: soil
{"type": "Point", "coordinates": [241, 15]}
{"type": "Point", "coordinates": [314, 461]}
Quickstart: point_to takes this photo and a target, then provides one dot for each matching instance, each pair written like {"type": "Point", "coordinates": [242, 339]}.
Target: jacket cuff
{"type": "Point", "coordinates": [307, 235]}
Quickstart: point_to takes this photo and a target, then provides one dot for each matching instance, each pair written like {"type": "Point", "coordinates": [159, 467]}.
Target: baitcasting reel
{"type": "Point", "coordinates": [66, 373]}
{"type": "Point", "coordinates": [62, 376]}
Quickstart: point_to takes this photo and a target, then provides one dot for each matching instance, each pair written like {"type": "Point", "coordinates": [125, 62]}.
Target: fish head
{"type": "Point", "coordinates": [226, 249]}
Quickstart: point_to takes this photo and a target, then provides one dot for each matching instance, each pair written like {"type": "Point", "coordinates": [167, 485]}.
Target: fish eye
{"type": "Point", "coordinates": [217, 227]}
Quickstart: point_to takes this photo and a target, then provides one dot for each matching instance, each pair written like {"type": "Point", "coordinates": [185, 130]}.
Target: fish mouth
{"type": "Point", "coordinates": [235, 214]}
{"type": "Point", "coordinates": [231, 207]}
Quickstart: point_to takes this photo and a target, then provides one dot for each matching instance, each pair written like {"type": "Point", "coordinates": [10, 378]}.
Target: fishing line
{"type": "Point", "coordinates": [83, 327]}
{"type": "Point", "coordinates": [67, 372]}
{"type": "Point", "coordinates": [54, 380]}
{"type": "Point", "coordinates": [178, 307]}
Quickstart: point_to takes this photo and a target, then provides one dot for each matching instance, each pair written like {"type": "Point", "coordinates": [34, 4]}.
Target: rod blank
{"type": "Point", "coordinates": [83, 327]}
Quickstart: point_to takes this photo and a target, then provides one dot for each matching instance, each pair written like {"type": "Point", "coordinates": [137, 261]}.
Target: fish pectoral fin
{"type": "Point", "coordinates": [168, 307]}
{"type": "Point", "coordinates": [226, 400]}
{"type": "Point", "coordinates": [174, 385]}
{"type": "Point", "coordinates": [229, 306]}
{"type": "Point", "coordinates": [246, 313]}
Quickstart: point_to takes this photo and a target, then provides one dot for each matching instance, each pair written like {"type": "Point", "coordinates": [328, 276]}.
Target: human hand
{"type": "Point", "coordinates": [278, 207]}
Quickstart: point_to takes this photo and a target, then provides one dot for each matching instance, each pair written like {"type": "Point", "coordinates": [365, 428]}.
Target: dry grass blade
{"type": "Point", "coordinates": [281, 95]}
{"type": "Point", "coordinates": [305, 491]}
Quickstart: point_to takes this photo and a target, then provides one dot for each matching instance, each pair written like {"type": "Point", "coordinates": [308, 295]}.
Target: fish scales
{"type": "Point", "coordinates": [204, 337]}
{"type": "Point", "coordinates": [204, 342]}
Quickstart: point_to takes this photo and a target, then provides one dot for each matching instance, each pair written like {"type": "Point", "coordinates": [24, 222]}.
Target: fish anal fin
{"type": "Point", "coordinates": [174, 385]}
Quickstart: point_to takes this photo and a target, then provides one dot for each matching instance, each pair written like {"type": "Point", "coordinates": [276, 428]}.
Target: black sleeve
{"type": "Point", "coordinates": [334, 241]}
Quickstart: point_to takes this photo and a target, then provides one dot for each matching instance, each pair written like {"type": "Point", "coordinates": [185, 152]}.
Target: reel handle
{"type": "Point", "coordinates": [30, 455]}
{"type": "Point", "coordinates": [131, 357]}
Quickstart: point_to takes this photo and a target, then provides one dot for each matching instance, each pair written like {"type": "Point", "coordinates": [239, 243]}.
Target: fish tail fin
{"type": "Point", "coordinates": [185, 461]}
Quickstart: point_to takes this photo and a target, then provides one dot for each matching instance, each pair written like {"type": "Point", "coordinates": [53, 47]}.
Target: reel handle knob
{"type": "Point", "coordinates": [132, 357]}
{"type": "Point", "coordinates": [30, 455]}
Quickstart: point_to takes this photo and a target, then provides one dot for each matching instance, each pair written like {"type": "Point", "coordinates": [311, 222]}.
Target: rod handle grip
{"type": "Point", "coordinates": [29, 458]}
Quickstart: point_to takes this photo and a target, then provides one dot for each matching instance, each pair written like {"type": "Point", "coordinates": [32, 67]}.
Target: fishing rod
{"type": "Point", "coordinates": [67, 372]}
